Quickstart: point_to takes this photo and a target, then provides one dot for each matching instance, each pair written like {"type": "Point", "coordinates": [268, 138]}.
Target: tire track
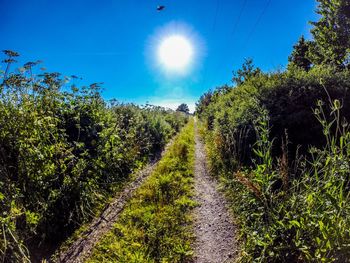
{"type": "Point", "coordinates": [215, 232]}
{"type": "Point", "coordinates": [82, 248]}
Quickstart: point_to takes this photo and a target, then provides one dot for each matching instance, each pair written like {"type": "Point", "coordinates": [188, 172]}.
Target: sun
{"type": "Point", "coordinates": [175, 52]}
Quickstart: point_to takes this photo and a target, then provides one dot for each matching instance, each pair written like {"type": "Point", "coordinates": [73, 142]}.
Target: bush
{"type": "Point", "coordinates": [300, 215]}
{"type": "Point", "coordinates": [289, 98]}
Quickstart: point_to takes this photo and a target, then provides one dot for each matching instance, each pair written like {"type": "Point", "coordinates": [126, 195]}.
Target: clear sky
{"type": "Point", "coordinates": [116, 41]}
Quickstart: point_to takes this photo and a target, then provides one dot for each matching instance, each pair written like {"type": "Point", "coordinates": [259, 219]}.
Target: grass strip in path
{"type": "Point", "coordinates": [155, 226]}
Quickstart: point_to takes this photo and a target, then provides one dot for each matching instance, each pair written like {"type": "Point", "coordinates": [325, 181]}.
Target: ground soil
{"type": "Point", "coordinates": [216, 235]}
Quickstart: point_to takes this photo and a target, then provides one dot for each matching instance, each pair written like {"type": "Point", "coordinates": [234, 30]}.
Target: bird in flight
{"type": "Point", "coordinates": [160, 8]}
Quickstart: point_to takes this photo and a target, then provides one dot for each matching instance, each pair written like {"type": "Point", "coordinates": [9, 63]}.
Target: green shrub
{"type": "Point", "coordinates": [289, 98]}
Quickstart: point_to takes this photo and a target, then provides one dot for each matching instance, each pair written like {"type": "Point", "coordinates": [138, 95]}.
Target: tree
{"type": "Point", "coordinates": [203, 102]}
{"type": "Point", "coordinates": [247, 71]}
{"type": "Point", "coordinates": [331, 33]}
{"type": "Point", "coordinates": [300, 54]}
{"type": "Point", "coordinates": [183, 108]}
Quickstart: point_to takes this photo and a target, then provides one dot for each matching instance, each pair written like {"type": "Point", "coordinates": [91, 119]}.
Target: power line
{"type": "Point", "coordinates": [216, 16]}
{"type": "Point", "coordinates": [234, 28]}
{"type": "Point", "coordinates": [233, 31]}
{"type": "Point", "coordinates": [256, 23]}
{"type": "Point", "coordinates": [212, 32]}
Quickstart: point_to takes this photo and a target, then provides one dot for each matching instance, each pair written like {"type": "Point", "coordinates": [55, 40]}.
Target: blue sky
{"type": "Point", "coordinates": [115, 41]}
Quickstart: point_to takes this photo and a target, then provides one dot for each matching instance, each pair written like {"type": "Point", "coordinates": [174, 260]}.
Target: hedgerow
{"type": "Point", "coordinates": [279, 142]}
{"type": "Point", "coordinates": [289, 98]}
{"type": "Point", "coordinates": [64, 151]}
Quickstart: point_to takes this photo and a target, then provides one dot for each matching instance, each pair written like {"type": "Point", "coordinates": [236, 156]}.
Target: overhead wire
{"type": "Point", "coordinates": [212, 32]}
{"type": "Point", "coordinates": [234, 28]}
{"type": "Point", "coordinates": [233, 31]}
{"type": "Point", "coordinates": [216, 16]}
{"type": "Point", "coordinates": [257, 22]}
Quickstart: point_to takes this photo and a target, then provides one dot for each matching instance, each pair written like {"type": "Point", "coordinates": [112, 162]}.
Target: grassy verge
{"type": "Point", "coordinates": [155, 225]}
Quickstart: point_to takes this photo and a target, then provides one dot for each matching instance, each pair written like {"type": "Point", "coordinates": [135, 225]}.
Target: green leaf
{"type": "Point", "coordinates": [321, 225]}
{"type": "Point", "coordinates": [295, 223]}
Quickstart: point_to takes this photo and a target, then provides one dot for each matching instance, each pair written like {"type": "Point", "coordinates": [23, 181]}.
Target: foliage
{"type": "Point", "coordinates": [63, 152]}
{"type": "Point", "coordinates": [300, 214]}
{"type": "Point", "coordinates": [288, 96]}
{"type": "Point", "coordinates": [300, 54]}
{"type": "Point", "coordinates": [290, 208]}
{"type": "Point", "coordinates": [285, 167]}
{"type": "Point", "coordinates": [247, 71]}
{"type": "Point", "coordinates": [183, 108]}
{"type": "Point", "coordinates": [154, 226]}
{"type": "Point", "coordinates": [203, 102]}
{"type": "Point", "coordinates": [331, 33]}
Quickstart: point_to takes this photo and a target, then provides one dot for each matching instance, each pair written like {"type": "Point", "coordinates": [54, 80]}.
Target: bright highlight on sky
{"type": "Point", "coordinates": [175, 52]}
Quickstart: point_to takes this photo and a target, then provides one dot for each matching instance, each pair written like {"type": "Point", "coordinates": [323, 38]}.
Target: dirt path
{"type": "Point", "coordinates": [81, 249]}
{"type": "Point", "coordinates": [214, 230]}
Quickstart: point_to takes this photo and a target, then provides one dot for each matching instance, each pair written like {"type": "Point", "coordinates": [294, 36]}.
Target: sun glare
{"type": "Point", "coordinates": [175, 52]}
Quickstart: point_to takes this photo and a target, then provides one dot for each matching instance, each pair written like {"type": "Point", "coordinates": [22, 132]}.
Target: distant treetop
{"type": "Point", "coordinates": [183, 108]}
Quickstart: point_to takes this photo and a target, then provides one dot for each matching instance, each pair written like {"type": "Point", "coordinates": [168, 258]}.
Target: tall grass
{"type": "Point", "coordinates": [296, 212]}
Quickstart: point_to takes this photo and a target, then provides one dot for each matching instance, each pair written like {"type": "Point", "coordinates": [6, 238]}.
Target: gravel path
{"type": "Point", "coordinates": [215, 233]}
{"type": "Point", "coordinates": [81, 249]}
